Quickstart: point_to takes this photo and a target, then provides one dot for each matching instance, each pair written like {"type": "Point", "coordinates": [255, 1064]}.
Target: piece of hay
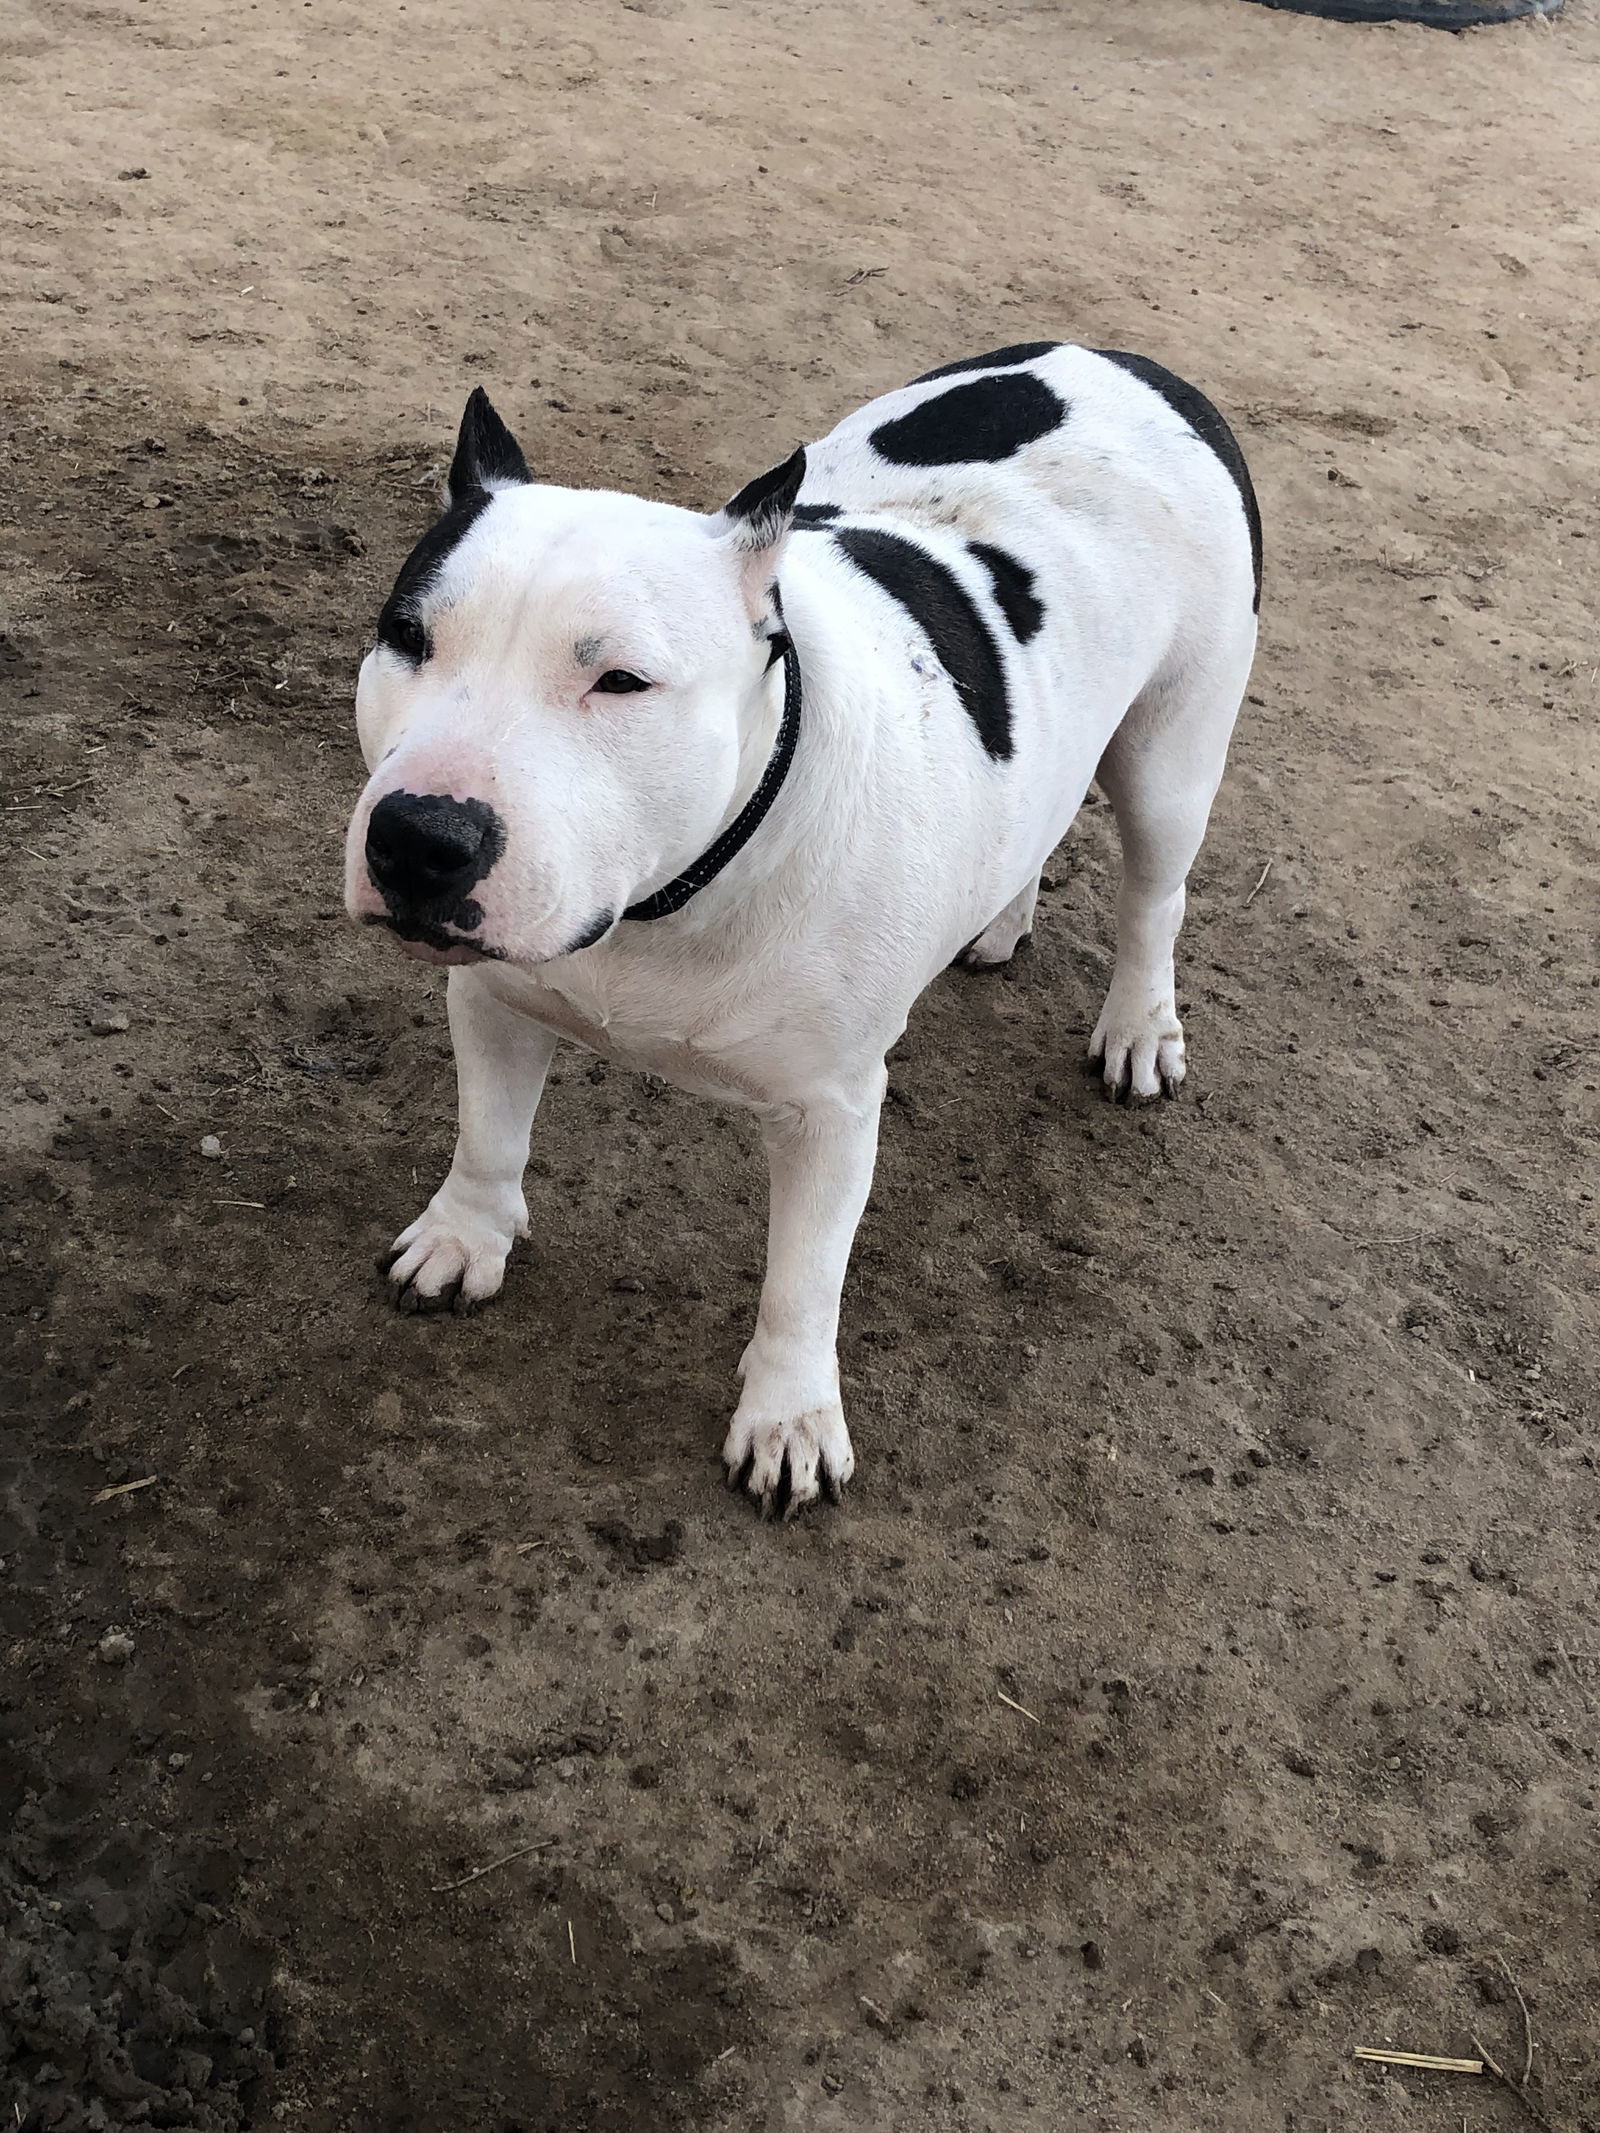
{"type": "Point", "coordinates": [1431, 2061]}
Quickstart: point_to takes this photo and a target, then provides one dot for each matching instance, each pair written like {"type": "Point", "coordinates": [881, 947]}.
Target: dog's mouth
{"type": "Point", "coordinates": [430, 942]}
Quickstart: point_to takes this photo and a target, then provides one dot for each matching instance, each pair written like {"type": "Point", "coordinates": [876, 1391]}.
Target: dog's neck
{"type": "Point", "coordinates": [745, 817]}
{"type": "Point", "coordinates": [821, 785]}
{"type": "Point", "coordinates": [758, 729]}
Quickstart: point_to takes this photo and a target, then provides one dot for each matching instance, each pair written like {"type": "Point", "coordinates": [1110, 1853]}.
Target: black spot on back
{"type": "Point", "coordinates": [997, 359]}
{"type": "Point", "coordinates": [989, 419]}
{"type": "Point", "coordinates": [943, 610]}
{"type": "Point", "coordinates": [1013, 590]}
{"type": "Point", "coordinates": [426, 560]}
{"type": "Point", "coordinates": [1207, 423]}
{"type": "Point", "coordinates": [816, 514]}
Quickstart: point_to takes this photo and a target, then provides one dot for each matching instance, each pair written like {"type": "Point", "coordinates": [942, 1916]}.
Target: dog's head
{"type": "Point", "coordinates": [555, 710]}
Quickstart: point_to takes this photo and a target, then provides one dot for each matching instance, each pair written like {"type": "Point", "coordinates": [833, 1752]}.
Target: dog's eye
{"type": "Point", "coordinates": [408, 637]}
{"type": "Point", "coordinates": [617, 681]}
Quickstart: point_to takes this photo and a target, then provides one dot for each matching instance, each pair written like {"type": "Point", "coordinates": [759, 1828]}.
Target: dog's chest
{"type": "Point", "coordinates": [704, 1044]}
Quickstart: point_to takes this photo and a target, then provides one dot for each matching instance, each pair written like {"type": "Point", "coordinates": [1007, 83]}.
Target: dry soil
{"type": "Point", "coordinates": [1203, 1678]}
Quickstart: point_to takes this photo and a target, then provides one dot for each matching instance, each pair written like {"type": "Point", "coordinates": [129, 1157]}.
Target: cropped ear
{"type": "Point", "coordinates": [758, 517]}
{"type": "Point", "coordinates": [486, 451]}
{"type": "Point", "coordinates": [755, 522]}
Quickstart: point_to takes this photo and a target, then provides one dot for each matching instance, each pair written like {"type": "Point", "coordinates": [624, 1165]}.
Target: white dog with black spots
{"type": "Point", "coordinates": [717, 796]}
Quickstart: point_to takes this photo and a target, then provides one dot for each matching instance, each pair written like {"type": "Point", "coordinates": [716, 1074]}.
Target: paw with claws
{"type": "Point", "coordinates": [453, 1257]}
{"type": "Point", "coordinates": [1004, 934]}
{"type": "Point", "coordinates": [1140, 1053]}
{"type": "Point", "coordinates": [787, 1463]}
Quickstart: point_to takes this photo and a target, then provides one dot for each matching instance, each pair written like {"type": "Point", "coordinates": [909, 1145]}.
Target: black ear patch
{"type": "Point", "coordinates": [997, 359]}
{"type": "Point", "coordinates": [1188, 401]}
{"type": "Point", "coordinates": [762, 509]}
{"type": "Point", "coordinates": [1013, 590]}
{"type": "Point", "coordinates": [943, 610]}
{"type": "Point", "coordinates": [989, 419]}
{"type": "Point", "coordinates": [422, 566]}
{"type": "Point", "coordinates": [486, 451]}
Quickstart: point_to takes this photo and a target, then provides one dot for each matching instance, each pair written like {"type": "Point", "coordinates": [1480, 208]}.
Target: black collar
{"type": "Point", "coordinates": [751, 816]}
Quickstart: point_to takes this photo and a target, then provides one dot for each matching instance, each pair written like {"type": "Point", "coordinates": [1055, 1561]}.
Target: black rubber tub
{"type": "Point", "coordinates": [1430, 14]}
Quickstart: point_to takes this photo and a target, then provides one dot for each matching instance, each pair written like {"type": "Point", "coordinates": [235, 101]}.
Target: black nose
{"type": "Point", "coordinates": [423, 848]}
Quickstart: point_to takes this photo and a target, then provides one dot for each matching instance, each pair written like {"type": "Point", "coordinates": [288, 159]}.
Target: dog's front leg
{"type": "Point", "coordinates": [455, 1252]}
{"type": "Point", "coordinates": [820, 1153]}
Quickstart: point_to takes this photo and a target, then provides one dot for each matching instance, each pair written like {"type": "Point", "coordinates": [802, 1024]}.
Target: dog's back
{"type": "Point", "coordinates": [989, 445]}
{"type": "Point", "coordinates": [1073, 535]}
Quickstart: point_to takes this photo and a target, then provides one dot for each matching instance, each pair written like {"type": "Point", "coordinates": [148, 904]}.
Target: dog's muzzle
{"type": "Point", "coordinates": [425, 851]}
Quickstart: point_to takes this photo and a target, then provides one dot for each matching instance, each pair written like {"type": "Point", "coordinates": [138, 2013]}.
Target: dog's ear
{"type": "Point", "coordinates": [486, 451]}
{"type": "Point", "coordinates": [756, 522]}
{"type": "Point", "coordinates": [758, 517]}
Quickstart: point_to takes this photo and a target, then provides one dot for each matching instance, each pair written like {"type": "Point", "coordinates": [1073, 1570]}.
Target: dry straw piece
{"type": "Point", "coordinates": [1430, 2060]}
{"type": "Point", "coordinates": [124, 1488]}
{"type": "Point", "coordinates": [443, 1888]}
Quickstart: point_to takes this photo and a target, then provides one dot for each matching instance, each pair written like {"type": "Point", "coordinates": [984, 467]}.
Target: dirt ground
{"type": "Point", "coordinates": [1203, 1676]}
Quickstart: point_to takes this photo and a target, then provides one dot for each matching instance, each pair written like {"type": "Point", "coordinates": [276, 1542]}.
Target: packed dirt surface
{"type": "Point", "coordinates": [1202, 1678]}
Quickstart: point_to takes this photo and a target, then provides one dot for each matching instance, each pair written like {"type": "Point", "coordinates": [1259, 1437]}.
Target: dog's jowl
{"type": "Point", "coordinates": [716, 797]}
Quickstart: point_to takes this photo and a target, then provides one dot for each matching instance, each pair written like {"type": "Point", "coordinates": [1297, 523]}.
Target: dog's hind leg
{"type": "Point", "coordinates": [1160, 773]}
{"type": "Point", "coordinates": [1004, 934]}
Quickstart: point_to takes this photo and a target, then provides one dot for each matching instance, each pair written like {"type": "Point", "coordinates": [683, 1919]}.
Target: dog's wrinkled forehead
{"type": "Point", "coordinates": [514, 567]}
{"type": "Point", "coordinates": [610, 573]}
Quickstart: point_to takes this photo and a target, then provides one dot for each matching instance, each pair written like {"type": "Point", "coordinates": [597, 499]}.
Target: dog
{"type": "Point", "coordinates": [716, 797]}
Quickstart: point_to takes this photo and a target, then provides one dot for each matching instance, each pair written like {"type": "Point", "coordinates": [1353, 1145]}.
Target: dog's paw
{"type": "Point", "coordinates": [1005, 933]}
{"type": "Point", "coordinates": [453, 1257]}
{"type": "Point", "coordinates": [993, 947]}
{"type": "Point", "coordinates": [787, 1464]}
{"type": "Point", "coordinates": [1141, 1054]}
